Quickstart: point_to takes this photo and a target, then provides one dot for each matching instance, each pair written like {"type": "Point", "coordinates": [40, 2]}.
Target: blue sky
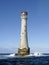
{"type": "Point", "coordinates": [38, 24]}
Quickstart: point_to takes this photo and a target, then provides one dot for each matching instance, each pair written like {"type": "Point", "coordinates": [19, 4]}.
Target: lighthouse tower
{"type": "Point", "coordinates": [24, 49]}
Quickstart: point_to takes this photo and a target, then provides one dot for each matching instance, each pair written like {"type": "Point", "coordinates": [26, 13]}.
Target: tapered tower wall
{"type": "Point", "coordinates": [24, 48]}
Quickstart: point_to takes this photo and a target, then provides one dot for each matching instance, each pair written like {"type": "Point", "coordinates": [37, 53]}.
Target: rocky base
{"type": "Point", "coordinates": [24, 51]}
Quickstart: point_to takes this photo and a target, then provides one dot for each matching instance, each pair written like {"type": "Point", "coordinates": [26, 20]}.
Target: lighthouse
{"type": "Point", "coordinates": [24, 48]}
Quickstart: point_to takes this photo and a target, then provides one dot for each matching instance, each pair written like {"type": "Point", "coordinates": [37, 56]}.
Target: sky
{"type": "Point", "coordinates": [37, 24]}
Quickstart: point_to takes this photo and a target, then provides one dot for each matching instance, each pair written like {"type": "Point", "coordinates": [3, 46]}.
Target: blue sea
{"type": "Point", "coordinates": [30, 60]}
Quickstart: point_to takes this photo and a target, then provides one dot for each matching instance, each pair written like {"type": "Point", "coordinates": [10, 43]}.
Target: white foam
{"type": "Point", "coordinates": [12, 55]}
{"type": "Point", "coordinates": [38, 54]}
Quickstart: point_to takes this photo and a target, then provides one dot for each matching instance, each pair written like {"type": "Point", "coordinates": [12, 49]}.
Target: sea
{"type": "Point", "coordinates": [28, 60]}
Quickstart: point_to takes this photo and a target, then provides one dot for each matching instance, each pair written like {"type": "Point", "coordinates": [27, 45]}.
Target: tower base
{"type": "Point", "coordinates": [24, 51]}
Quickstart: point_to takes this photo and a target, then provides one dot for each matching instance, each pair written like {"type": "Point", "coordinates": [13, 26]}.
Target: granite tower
{"type": "Point", "coordinates": [24, 48]}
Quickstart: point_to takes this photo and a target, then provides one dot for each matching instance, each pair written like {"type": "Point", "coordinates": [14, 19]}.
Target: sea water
{"type": "Point", "coordinates": [28, 60]}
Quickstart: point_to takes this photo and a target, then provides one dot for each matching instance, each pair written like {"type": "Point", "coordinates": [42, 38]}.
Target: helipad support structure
{"type": "Point", "coordinates": [24, 48]}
